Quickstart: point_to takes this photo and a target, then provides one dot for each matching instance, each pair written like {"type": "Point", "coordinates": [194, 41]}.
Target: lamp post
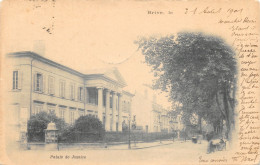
{"type": "Point", "coordinates": [160, 126]}
{"type": "Point", "coordinates": [129, 131]}
{"type": "Point", "coordinates": [133, 128]}
{"type": "Point", "coordinates": [160, 133]}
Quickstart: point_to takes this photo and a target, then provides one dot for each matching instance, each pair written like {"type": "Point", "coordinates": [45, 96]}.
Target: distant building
{"type": "Point", "coordinates": [39, 84]}
{"type": "Point", "coordinates": [177, 123]}
{"type": "Point", "coordinates": [150, 116]}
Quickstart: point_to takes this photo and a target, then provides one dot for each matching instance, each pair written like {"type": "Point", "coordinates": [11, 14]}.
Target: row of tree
{"type": "Point", "coordinates": [199, 72]}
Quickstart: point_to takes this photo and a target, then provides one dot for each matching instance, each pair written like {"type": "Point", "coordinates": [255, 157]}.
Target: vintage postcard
{"type": "Point", "coordinates": [130, 82]}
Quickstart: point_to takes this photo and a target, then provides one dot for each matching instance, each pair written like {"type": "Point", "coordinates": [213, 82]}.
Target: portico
{"type": "Point", "coordinates": [105, 99]}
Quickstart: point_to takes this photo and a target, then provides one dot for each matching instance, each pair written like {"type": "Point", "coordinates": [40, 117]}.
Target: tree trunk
{"type": "Point", "coordinates": [227, 112]}
{"type": "Point", "coordinates": [199, 124]}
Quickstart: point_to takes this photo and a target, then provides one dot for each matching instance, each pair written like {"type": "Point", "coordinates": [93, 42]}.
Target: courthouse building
{"type": "Point", "coordinates": [39, 84]}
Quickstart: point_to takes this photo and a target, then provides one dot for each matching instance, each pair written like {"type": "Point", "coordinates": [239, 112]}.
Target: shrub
{"type": "Point", "coordinates": [39, 122]}
{"type": "Point", "coordinates": [86, 129]}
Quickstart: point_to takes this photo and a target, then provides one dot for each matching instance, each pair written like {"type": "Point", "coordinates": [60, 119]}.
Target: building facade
{"type": "Point", "coordinates": [39, 84]}
{"type": "Point", "coordinates": [150, 116]}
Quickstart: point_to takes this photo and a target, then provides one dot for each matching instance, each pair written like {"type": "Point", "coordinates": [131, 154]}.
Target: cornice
{"type": "Point", "coordinates": [45, 60]}
{"type": "Point", "coordinates": [65, 68]}
{"type": "Point", "coordinates": [105, 78]}
{"type": "Point", "coordinates": [128, 93]}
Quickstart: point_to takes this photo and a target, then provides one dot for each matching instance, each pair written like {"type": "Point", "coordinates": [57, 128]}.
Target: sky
{"type": "Point", "coordinates": [86, 35]}
{"type": "Point", "coordinates": [83, 36]}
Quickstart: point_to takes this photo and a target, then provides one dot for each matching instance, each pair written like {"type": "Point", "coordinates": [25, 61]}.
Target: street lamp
{"type": "Point", "coordinates": [160, 133]}
{"type": "Point", "coordinates": [129, 129]}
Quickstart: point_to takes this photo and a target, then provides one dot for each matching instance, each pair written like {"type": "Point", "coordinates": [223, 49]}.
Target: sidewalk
{"type": "Point", "coordinates": [109, 146]}
{"type": "Point", "coordinates": [140, 145]}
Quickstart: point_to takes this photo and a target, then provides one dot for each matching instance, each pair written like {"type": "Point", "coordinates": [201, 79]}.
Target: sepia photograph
{"type": "Point", "coordinates": [129, 82]}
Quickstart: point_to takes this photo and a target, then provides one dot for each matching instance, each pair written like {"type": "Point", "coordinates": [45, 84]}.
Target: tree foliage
{"type": "Point", "coordinates": [89, 124]}
{"type": "Point", "coordinates": [198, 70]}
{"type": "Point", "coordinates": [39, 122]}
{"type": "Point", "coordinates": [86, 129]}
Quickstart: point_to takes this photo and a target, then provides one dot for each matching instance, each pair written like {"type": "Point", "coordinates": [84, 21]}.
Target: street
{"type": "Point", "coordinates": [155, 153]}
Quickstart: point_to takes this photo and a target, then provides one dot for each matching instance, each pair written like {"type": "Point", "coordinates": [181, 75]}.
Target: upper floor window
{"type": "Point", "coordinates": [38, 82]}
{"type": "Point", "coordinates": [15, 79]}
{"type": "Point", "coordinates": [80, 93]}
{"type": "Point", "coordinates": [128, 106]}
{"type": "Point", "coordinates": [72, 91]}
{"type": "Point", "coordinates": [124, 106]}
{"type": "Point", "coordinates": [51, 85]}
{"type": "Point", "coordinates": [62, 88]}
{"type": "Point", "coordinates": [92, 96]}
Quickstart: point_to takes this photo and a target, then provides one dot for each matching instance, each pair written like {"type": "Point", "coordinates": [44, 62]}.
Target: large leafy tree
{"type": "Point", "coordinates": [199, 72]}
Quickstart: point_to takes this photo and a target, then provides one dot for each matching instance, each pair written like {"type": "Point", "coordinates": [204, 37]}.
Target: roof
{"type": "Point", "coordinates": [45, 60]}
{"type": "Point", "coordinates": [105, 73]}
{"type": "Point", "coordinates": [110, 73]}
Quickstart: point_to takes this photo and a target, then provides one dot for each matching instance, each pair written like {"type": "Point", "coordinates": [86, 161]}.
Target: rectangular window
{"type": "Point", "coordinates": [51, 85]}
{"type": "Point", "coordinates": [128, 107]}
{"type": "Point", "coordinates": [62, 113]}
{"type": "Point", "coordinates": [62, 89]}
{"type": "Point", "coordinates": [80, 93]}
{"type": "Point", "coordinates": [51, 109]}
{"type": "Point", "coordinates": [72, 119]}
{"type": "Point", "coordinates": [39, 82]}
{"type": "Point", "coordinates": [37, 108]}
{"type": "Point", "coordinates": [81, 112]}
{"type": "Point", "coordinates": [92, 96]}
{"type": "Point", "coordinates": [15, 79]}
{"type": "Point", "coordinates": [72, 91]}
{"type": "Point", "coordinates": [123, 109]}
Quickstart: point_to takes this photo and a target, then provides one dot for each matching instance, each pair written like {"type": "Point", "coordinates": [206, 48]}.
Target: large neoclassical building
{"type": "Point", "coordinates": [39, 84]}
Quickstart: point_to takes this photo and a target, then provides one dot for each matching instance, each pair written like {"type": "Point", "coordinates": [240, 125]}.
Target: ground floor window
{"type": "Point", "coordinates": [62, 111]}
{"type": "Point", "coordinates": [72, 117]}
{"type": "Point", "coordinates": [51, 109]}
{"type": "Point", "coordinates": [81, 112]}
{"type": "Point", "coordinates": [37, 108]}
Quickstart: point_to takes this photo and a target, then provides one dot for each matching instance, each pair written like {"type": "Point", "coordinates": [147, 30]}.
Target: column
{"type": "Point", "coordinates": [107, 124]}
{"type": "Point", "coordinates": [100, 103]}
{"type": "Point", "coordinates": [86, 96]}
{"type": "Point", "coordinates": [120, 113]}
{"type": "Point", "coordinates": [114, 112]}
